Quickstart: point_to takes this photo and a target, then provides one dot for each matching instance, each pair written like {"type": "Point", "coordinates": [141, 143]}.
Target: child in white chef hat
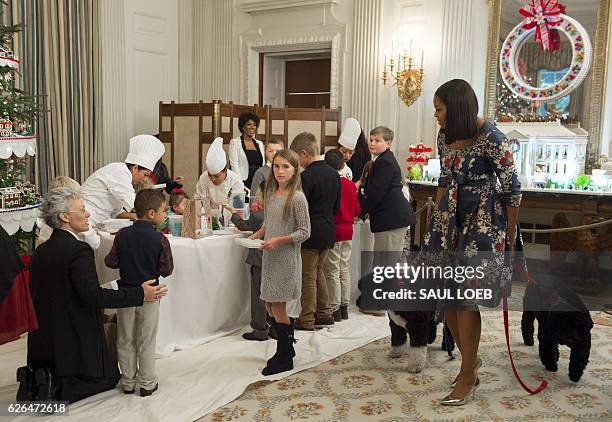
{"type": "Point", "coordinates": [346, 144]}
{"type": "Point", "coordinates": [109, 191]}
{"type": "Point", "coordinates": [218, 182]}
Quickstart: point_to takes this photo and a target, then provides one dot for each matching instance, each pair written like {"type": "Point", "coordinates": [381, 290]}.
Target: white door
{"type": "Point", "coordinates": [151, 54]}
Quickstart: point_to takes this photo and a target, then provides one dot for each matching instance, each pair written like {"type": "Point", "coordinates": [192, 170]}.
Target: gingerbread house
{"type": "Point", "coordinates": [6, 53]}
{"type": "Point", "coordinates": [10, 197]}
{"type": "Point", "coordinates": [6, 128]}
{"type": "Point", "coordinates": [27, 189]}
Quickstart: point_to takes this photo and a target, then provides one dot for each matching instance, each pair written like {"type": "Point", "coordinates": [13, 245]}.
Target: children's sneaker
{"type": "Point", "coordinates": [324, 322]}
{"type": "Point", "coordinates": [144, 392]}
{"type": "Point", "coordinates": [337, 316]}
{"type": "Point", "coordinates": [344, 311]}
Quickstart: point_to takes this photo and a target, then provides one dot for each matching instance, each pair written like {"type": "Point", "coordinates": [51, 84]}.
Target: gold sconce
{"type": "Point", "coordinates": [408, 78]}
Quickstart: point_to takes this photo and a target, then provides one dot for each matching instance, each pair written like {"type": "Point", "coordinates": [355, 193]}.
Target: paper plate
{"type": "Point", "coordinates": [223, 232]}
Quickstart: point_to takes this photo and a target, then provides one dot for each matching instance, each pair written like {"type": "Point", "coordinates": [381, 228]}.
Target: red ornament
{"type": "Point", "coordinates": [543, 15]}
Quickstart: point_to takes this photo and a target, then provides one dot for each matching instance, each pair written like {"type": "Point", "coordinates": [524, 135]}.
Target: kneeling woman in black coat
{"type": "Point", "coordinates": [68, 357]}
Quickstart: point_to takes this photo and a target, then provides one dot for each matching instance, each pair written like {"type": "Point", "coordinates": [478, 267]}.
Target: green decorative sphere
{"type": "Point", "coordinates": [415, 173]}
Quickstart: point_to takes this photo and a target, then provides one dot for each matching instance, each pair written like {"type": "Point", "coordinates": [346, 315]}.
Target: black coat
{"type": "Point", "coordinates": [68, 300]}
{"type": "Point", "coordinates": [321, 186]}
{"type": "Point", "coordinates": [383, 198]}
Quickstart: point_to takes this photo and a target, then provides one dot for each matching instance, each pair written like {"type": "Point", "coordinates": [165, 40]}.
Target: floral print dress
{"type": "Point", "coordinates": [469, 225]}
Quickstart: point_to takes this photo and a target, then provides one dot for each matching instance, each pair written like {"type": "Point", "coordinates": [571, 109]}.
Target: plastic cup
{"type": "Point", "coordinates": [175, 224]}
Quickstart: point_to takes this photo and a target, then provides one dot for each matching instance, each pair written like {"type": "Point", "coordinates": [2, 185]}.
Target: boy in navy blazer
{"type": "Point", "coordinates": [383, 202]}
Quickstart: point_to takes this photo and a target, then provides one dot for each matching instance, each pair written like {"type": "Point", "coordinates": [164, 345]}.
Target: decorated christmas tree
{"type": "Point", "coordinates": [18, 197]}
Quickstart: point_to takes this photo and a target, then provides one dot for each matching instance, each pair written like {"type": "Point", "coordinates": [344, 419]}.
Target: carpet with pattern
{"type": "Point", "coordinates": [367, 385]}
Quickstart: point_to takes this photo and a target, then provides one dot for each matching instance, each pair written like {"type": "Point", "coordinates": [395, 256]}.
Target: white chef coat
{"type": "Point", "coordinates": [345, 171]}
{"type": "Point", "coordinates": [108, 192]}
{"type": "Point", "coordinates": [219, 194]}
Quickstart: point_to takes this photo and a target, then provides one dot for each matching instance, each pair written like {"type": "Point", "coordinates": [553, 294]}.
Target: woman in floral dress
{"type": "Point", "coordinates": [475, 218]}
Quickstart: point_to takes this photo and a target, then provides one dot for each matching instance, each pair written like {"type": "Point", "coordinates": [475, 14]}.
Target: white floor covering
{"type": "Point", "coordinates": [197, 381]}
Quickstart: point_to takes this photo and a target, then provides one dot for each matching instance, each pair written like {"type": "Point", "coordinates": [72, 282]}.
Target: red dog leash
{"type": "Point", "coordinates": [544, 383]}
{"type": "Point", "coordinates": [522, 271]}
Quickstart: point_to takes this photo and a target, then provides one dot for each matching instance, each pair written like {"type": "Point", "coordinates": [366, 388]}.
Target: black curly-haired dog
{"type": "Point", "coordinates": [421, 327]}
{"type": "Point", "coordinates": [562, 319]}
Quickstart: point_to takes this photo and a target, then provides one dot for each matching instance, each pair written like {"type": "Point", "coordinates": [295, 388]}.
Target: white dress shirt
{"type": "Point", "coordinates": [108, 192]}
{"type": "Point", "coordinates": [90, 236]}
{"type": "Point", "coordinates": [238, 159]}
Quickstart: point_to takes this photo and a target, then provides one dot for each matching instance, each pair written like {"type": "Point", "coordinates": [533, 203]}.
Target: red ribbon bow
{"type": "Point", "coordinates": [543, 15]}
{"type": "Point", "coordinates": [177, 190]}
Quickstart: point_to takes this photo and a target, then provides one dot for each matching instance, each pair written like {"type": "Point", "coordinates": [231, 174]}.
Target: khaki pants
{"type": "Point", "coordinates": [337, 274]}
{"type": "Point", "coordinates": [136, 334]}
{"type": "Point", "coordinates": [388, 246]}
{"type": "Point", "coordinates": [315, 300]}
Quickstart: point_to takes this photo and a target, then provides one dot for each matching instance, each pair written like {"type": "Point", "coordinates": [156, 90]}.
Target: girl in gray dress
{"type": "Point", "coordinates": [286, 226]}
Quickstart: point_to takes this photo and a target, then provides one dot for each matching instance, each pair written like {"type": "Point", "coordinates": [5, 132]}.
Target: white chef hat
{"type": "Point", "coordinates": [145, 151]}
{"type": "Point", "coordinates": [350, 133]}
{"type": "Point", "coordinates": [215, 158]}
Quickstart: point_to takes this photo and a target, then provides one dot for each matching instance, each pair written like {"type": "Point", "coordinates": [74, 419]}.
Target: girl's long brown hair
{"type": "Point", "coordinates": [295, 184]}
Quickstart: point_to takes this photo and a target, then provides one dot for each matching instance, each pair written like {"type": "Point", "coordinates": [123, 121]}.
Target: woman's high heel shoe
{"type": "Point", "coordinates": [452, 401]}
{"type": "Point", "coordinates": [478, 365]}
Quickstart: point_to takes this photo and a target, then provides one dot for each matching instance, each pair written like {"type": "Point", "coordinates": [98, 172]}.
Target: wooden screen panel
{"type": "Point", "coordinates": [298, 126]}
{"type": "Point", "coordinates": [186, 162]}
{"type": "Point", "coordinates": [278, 123]}
{"type": "Point", "coordinates": [167, 157]}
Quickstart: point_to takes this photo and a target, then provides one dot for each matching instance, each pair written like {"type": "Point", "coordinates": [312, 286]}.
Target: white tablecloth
{"type": "Point", "coordinates": [209, 290]}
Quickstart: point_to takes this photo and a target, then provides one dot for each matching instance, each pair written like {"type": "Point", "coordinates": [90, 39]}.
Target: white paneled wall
{"type": "Point", "coordinates": [191, 50]}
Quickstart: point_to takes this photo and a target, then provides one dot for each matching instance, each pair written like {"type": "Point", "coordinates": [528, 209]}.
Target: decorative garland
{"type": "Point", "coordinates": [579, 68]}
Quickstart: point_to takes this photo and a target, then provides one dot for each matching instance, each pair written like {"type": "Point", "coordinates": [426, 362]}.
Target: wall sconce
{"type": "Point", "coordinates": [408, 78]}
